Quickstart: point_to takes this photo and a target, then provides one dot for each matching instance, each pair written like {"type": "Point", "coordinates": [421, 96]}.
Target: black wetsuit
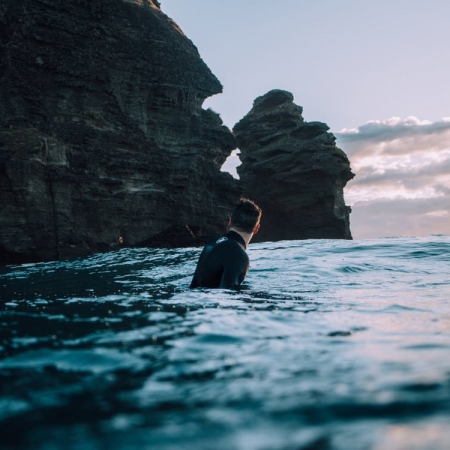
{"type": "Point", "coordinates": [223, 263]}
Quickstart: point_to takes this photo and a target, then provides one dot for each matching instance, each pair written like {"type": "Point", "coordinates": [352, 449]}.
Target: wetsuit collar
{"type": "Point", "coordinates": [237, 237]}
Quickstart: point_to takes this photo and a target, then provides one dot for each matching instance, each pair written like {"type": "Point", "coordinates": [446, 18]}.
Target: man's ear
{"type": "Point", "coordinates": [229, 223]}
{"type": "Point", "coordinates": [256, 229]}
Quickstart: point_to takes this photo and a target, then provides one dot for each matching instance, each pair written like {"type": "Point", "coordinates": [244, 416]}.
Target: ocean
{"type": "Point", "coordinates": [329, 344]}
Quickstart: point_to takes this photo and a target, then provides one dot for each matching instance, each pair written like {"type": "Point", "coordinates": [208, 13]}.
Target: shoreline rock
{"type": "Point", "coordinates": [104, 142]}
{"type": "Point", "coordinates": [102, 131]}
{"type": "Point", "coordinates": [293, 170]}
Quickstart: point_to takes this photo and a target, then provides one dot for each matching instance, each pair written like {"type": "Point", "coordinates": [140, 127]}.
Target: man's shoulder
{"type": "Point", "coordinates": [221, 240]}
{"type": "Point", "coordinates": [233, 249]}
{"type": "Point", "coordinates": [228, 242]}
{"type": "Point", "coordinates": [216, 240]}
{"type": "Point", "coordinates": [225, 243]}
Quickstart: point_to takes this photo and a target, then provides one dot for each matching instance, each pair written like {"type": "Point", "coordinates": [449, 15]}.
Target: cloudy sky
{"type": "Point", "coordinates": [377, 72]}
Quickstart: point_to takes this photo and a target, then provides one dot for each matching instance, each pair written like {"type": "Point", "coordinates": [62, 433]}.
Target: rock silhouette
{"type": "Point", "coordinates": [104, 142]}
{"type": "Point", "coordinates": [293, 170]}
{"type": "Point", "coordinates": [102, 133]}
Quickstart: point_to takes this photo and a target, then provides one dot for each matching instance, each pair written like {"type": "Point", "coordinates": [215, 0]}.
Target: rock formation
{"type": "Point", "coordinates": [104, 142]}
{"type": "Point", "coordinates": [102, 133]}
{"type": "Point", "coordinates": [293, 170]}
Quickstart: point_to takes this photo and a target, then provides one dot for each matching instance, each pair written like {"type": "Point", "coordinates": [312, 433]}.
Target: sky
{"type": "Point", "coordinates": [376, 72]}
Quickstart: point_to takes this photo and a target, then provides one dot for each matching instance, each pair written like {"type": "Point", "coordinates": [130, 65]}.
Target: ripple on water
{"type": "Point", "coordinates": [328, 344]}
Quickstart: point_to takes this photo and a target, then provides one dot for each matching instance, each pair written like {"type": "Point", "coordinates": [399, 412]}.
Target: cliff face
{"type": "Point", "coordinates": [102, 136]}
{"type": "Point", "coordinates": [293, 170]}
{"type": "Point", "coordinates": [102, 133]}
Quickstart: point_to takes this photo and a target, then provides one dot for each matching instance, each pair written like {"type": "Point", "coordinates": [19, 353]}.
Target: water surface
{"type": "Point", "coordinates": [328, 345]}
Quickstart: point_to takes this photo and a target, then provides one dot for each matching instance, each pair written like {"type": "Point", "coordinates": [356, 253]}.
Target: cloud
{"type": "Point", "coordinates": [414, 175]}
{"type": "Point", "coordinates": [395, 136]}
{"type": "Point", "coordinates": [402, 182]}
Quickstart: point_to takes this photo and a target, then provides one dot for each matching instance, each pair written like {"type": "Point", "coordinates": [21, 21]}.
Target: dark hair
{"type": "Point", "coordinates": [246, 215]}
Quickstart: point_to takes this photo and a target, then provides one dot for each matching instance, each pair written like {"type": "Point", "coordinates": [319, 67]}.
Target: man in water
{"type": "Point", "coordinates": [223, 262]}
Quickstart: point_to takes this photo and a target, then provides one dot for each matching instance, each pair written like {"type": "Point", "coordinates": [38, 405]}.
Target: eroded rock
{"type": "Point", "coordinates": [102, 131]}
{"type": "Point", "coordinates": [104, 142]}
{"type": "Point", "coordinates": [293, 170]}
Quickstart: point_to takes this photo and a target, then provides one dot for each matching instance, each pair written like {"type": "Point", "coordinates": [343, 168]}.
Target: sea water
{"type": "Point", "coordinates": [329, 344]}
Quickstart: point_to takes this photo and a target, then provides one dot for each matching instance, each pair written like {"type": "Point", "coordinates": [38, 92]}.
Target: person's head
{"type": "Point", "coordinates": [246, 216]}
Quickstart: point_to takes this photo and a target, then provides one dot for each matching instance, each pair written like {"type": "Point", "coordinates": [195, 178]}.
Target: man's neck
{"type": "Point", "coordinates": [246, 236]}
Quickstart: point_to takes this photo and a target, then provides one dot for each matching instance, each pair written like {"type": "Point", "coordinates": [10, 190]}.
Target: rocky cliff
{"type": "Point", "coordinates": [293, 170]}
{"type": "Point", "coordinates": [102, 133]}
{"type": "Point", "coordinates": [104, 141]}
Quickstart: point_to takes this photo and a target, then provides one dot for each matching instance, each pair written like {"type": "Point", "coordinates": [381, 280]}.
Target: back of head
{"type": "Point", "coordinates": [246, 216]}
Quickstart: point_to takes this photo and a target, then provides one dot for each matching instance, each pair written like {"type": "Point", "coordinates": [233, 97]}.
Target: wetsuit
{"type": "Point", "coordinates": [223, 263]}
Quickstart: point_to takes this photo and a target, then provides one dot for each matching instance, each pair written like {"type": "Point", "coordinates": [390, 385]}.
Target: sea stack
{"type": "Point", "coordinates": [293, 170]}
{"type": "Point", "coordinates": [104, 142]}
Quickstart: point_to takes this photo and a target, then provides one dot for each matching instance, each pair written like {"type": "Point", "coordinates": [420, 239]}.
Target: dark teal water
{"type": "Point", "coordinates": [329, 345]}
